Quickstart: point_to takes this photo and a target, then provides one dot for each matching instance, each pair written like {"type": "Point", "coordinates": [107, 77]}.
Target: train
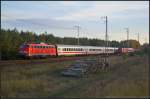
{"type": "Point", "coordinates": [45, 50]}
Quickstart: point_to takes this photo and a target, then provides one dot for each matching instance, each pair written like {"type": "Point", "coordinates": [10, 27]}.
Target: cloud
{"type": "Point", "coordinates": [68, 3]}
{"type": "Point", "coordinates": [101, 9]}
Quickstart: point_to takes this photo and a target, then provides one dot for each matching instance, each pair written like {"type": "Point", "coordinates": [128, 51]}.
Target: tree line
{"type": "Point", "coordinates": [11, 39]}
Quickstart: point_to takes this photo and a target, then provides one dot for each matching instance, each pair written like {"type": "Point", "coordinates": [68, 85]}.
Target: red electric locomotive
{"type": "Point", "coordinates": [37, 50]}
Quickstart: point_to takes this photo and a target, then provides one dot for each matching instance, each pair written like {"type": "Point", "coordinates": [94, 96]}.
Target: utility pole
{"type": "Point", "coordinates": [106, 35]}
{"type": "Point", "coordinates": [138, 38]}
{"type": "Point", "coordinates": [46, 37]}
{"type": "Point", "coordinates": [78, 27]}
{"type": "Point", "coordinates": [106, 39]}
{"type": "Point", "coordinates": [127, 30]}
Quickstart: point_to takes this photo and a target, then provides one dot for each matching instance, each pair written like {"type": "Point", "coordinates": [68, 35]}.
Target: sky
{"type": "Point", "coordinates": [60, 18]}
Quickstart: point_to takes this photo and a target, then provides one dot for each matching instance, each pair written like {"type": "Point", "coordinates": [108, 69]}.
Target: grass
{"type": "Point", "coordinates": [127, 77]}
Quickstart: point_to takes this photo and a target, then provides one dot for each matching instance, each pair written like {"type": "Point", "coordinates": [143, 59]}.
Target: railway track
{"type": "Point", "coordinates": [39, 61]}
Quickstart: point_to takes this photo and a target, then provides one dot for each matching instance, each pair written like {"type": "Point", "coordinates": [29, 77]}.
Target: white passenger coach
{"type": "Point", "coordinates": [65, 50]}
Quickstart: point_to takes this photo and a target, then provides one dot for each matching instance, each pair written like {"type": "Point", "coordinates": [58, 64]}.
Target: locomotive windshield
{"type": "Point", "coordinates": [24, 46]}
